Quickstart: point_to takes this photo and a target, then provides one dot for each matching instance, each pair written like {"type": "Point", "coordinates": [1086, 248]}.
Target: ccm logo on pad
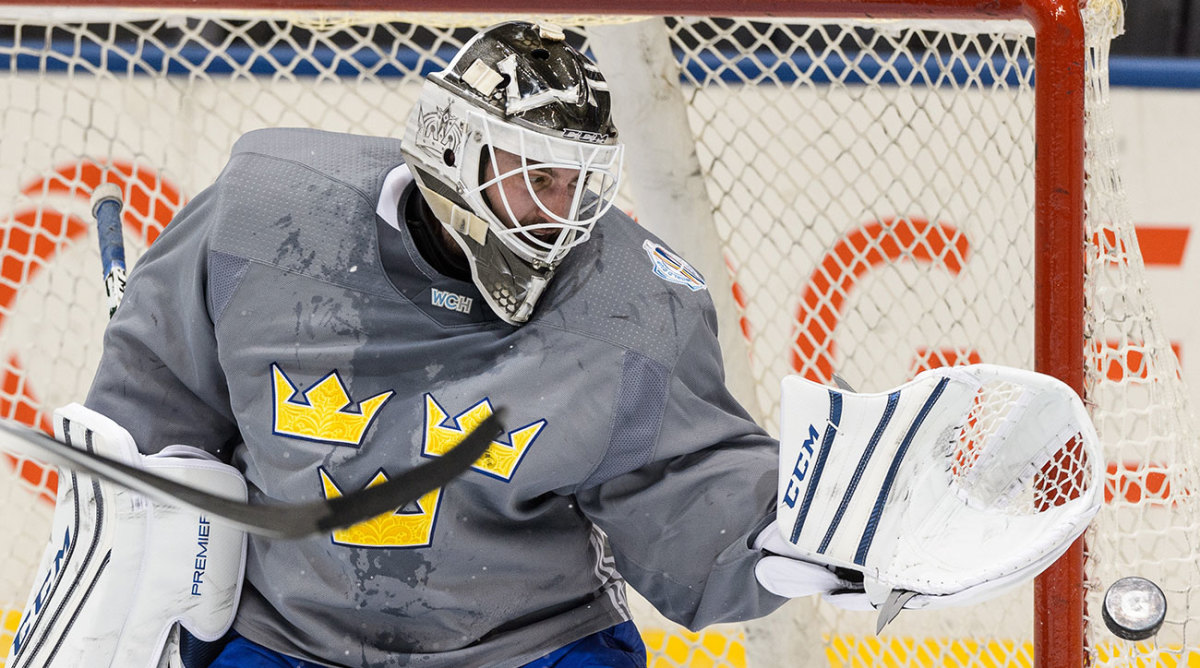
{"type": "Point", "coordinates": [801, 468]}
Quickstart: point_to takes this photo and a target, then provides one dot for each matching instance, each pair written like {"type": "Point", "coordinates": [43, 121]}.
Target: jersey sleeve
{"type": "Point", "coordinates": [159, 375]}
{"type": "Point", "coordinates": [688, 480]}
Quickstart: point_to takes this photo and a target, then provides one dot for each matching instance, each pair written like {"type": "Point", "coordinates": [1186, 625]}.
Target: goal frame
{"type": "Point", "coordinates": [1059, 237]}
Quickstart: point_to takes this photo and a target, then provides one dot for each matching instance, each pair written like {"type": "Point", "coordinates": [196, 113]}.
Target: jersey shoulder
{"type": "Point", "coordinates": [304, 201]}
{"type": "Point", "coordinates": [356, 160]}
{"type": "Point", "coordinates": [626, 286]}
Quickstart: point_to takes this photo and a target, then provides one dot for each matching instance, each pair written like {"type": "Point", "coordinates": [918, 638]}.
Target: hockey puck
{"type": "Point", "coordinates": [1134, 608]}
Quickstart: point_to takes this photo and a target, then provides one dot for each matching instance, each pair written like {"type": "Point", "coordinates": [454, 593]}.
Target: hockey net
{"type": "Point", "coordinates": [865, 205]}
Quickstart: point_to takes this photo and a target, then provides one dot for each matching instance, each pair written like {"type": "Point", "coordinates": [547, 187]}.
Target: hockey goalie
{"type": "Point", "coordinates": [335, 310]}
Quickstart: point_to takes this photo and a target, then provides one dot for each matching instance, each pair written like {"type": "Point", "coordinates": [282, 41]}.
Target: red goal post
{"type": "Point", "coordinates": [899, 228]}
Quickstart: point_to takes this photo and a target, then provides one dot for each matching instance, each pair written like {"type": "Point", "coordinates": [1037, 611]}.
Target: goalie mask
{"type": "Point", "coordinates": [517, 93]}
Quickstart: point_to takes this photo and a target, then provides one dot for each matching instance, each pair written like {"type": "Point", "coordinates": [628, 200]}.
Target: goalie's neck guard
{"type": "Point", "coordinates": [516, 89]}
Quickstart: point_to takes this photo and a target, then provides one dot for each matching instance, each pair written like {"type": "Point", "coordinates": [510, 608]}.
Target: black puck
{"type": "Point", "coordinates": [1134, 608]}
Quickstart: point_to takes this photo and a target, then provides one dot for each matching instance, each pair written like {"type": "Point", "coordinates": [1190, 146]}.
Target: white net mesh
{"type": "Point", "coordinates": [873, 192]}
{"type": "Point", "coordinates": [1150, 525]}
{"type": "Point", "coordinates": [892, 173]}
{"type": "Point", "coordinates": [871, 186]}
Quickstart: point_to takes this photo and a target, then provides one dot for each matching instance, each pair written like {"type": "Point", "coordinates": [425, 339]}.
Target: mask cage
{"type": "Point", "coordinates": [553, 171]}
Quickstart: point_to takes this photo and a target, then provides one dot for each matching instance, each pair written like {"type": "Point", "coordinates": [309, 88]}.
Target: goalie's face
{"type": "Point", "coordinates": [543, 193]}
{"type": "Point", "coordinates": [530, 199]}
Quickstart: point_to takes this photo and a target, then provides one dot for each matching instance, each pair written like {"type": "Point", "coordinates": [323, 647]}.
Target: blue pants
{"type": "Point", "coordinates": [617, 647]}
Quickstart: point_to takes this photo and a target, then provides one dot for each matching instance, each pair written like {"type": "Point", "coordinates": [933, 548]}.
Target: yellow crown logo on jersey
{"type": "Point", "coordinates": [324, 412]}
{"type": "Point", "coordinates": [500, 460]}
{"type": "Point", "coordinates": [398, 529]}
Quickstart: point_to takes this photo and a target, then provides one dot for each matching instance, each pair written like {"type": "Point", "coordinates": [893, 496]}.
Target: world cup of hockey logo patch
{"type": "Point", "coordinates": [670, 267]}
{"type": "Point", "coordinates": [439, 130]}
{"type": "Point", "coordinates": [323, 412]}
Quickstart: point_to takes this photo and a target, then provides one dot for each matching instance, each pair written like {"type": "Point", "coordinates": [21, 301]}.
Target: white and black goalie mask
{"type": "Point", "coordinates": [521, 106]}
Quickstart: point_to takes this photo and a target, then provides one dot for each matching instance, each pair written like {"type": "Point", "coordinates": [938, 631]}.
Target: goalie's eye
{"type": "Point", "coordinates": [539, 180]}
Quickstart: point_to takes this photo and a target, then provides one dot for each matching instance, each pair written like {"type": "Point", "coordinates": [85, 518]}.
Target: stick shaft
{"type": "Point", "coordinates": [106, 208]}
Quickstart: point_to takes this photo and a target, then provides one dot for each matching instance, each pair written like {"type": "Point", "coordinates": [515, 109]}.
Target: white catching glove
{"type": "Point", "coordinates": [948, 490]}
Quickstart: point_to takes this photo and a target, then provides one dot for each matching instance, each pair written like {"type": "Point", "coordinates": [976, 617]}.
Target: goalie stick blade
{"type": "Point", "coordinates": [291, 520]}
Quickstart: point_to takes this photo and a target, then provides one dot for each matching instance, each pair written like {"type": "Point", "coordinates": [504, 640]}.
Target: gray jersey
{"type": "Point", "coordinates": [285, 325]}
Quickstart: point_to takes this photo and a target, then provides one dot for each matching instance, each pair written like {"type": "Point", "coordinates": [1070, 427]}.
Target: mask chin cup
{"type": "Point", "coordinates": [510, 285]}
